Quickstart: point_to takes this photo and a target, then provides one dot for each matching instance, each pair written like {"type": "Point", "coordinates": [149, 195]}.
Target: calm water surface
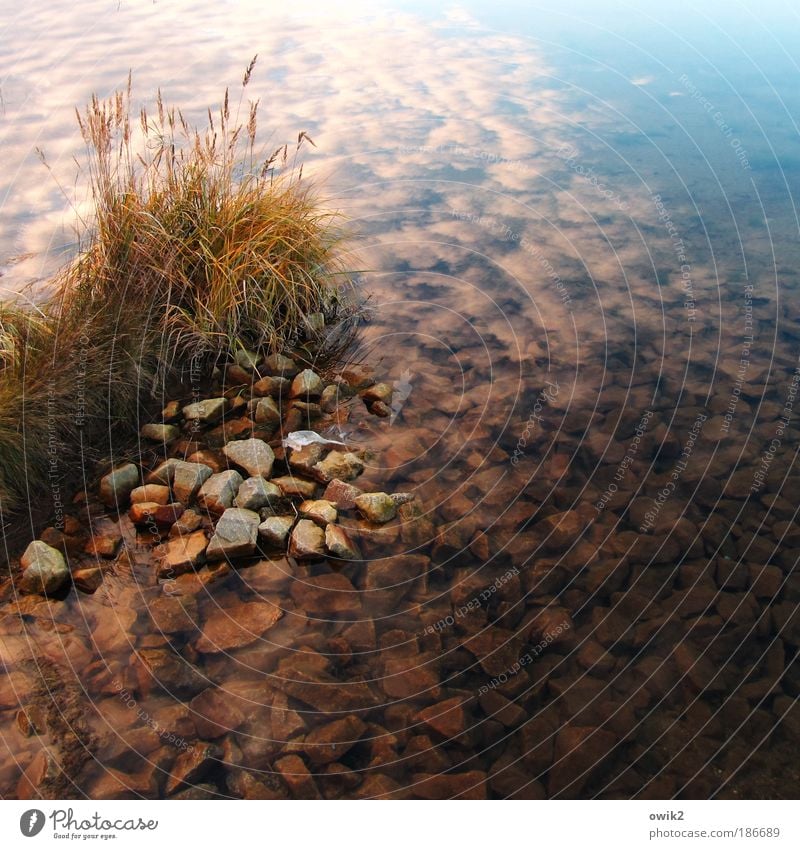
{"type": "Point", "coordinates": [580, 235]}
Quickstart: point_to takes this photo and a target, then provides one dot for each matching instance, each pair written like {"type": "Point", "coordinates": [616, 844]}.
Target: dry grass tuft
{"type": "Point", "coordinates": [198, 247]}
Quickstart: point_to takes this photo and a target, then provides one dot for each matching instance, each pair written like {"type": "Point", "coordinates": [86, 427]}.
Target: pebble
{"type": "Point", "coordinates": [294, 487]}
{"type": "Point", "coordinates": [326, 595]}
{"type": "Point", "coordinates": [321, 512]}
{"type": "Point", "coordinates": [181, 554]}
{"type": "Point", "coordinates": [188, 522]}
{"type": "Point", "coordinates": [252, 455]}
{"type": "Point", "coordinates": [117, 486]}
{"type": "Point", "coordinates": [207, 411]}
{"type": "Point", "coordinates": [307, 541]}
{"type": "Point", "coordinates": [339, 543]}
{"type": "Point", "coordinates": [187, 478]}
{"type": "Point", "coordinates": [330, 742]}
{"type": "Point", "coordinates": [191, 766]}
{"type": "Point", "coordinates": [281, 365]}
{"type": "Point", "coordinates": [380, 392]}
{"type": "Point", "coordinates": [307, 384]}
{"type": "Point", "coordinates": [160, 432]}
{"type": "Point", "coordinates": [217, 493]}
{"type": "Point", "coordinates": [342, 494]}
{"type": "Point", "coordinates": [44, 569]}
{"type": "Point", "coordinates": [88, 579]}
{"type": "Point", "coordinates": [153, 493]}
{"type": "Point", "coordinates": [274, 530]}
{"type": "Point", "coordinates": [236, 626]}
{"type": "Point", "coordinates": [266, 411]}
{"type": "Point", "coordinates": [256, 493]}
{"type": "Point", "coordinates": [270, 387]}
{"type": "Point", "coordinates": [377, 507]}
{"type": "Point", "coordinates": [345, 466]}
{"type": "Point", "coordinates": [235, 534]}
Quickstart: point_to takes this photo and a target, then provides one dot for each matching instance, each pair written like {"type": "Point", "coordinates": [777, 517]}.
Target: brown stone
{"type": "Point", "coordinates": [579, 753]}
{"type": "Point", "coordinates": [172, 614]}
{"type": "Point", "coordinates": [463, 785]}
{"type": "Point", "coordinates": [297, 777]}
{"type": "Point", "coordinates": [294, 487]}
{"type": "Point", "coordinates": [215, 713]}
{"type": "Point", "coordinates": [181, 554]}
{"type": "Point", "coordinates": [446, 718]}
{"type": "Point", "coordinates": [332, 741]}
{"type": "Point", "coordinates": [228, 629]}
{"type": "Point", "coordinates": [307, 541]}
{"type": "Point", "coordinates": [192, 765]}
{"type": "Point", "coordinates": [342, 494]}
{"type": "Point", "coordinates": [326, 595]}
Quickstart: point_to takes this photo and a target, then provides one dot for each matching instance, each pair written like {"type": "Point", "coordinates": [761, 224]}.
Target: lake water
{"type": "Point", "coordinates": [580, 233]}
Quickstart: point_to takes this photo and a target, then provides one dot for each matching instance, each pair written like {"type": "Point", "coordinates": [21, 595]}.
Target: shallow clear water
{"type": "Point", "coordinates": [580, 235]}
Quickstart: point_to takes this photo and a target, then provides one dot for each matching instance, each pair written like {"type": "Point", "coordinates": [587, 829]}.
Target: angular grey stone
{"type": "Point", "coordinates": [187, 478]}
{"type": "Point", "coordinates": [43, 569]}
{"type": "Point", "coordinates": [160, 432]}
{"type": "Point", "coordinates": [377, 507]}
{"type": "Point", "coordinates": [256, 493]}
{"type": "Point", "coordinates": [339, 543]}
{"type": "Point", "coordinates": [235, 534]}
{"type": "Point", "coordinates": [246, 359]}
{"type": "Point", "coordinates": [274, 386]}
{"type": "Point", "coordinates": [163, 474]}
{"type": "Point", "coordinates": [252, 455]}
{"type": "Point", "coordinates": [275, 529]}
{"type": "Point", "coordinates": [278, 364]}
{"type": "Point", "coordinates": [266, 411]}
{"type": "Point", "coordinates": [206, 411]}
{"type": "Point", "coordinates": [117, 486]}
{"type": "Point", "coordinates": [307, 541]}
{"type": "Point", "coordinates": [329, 400]}
{"type": "Point", "coordinates": [218, 492]}
{"type": "Point", "coordinates": [307, 384]}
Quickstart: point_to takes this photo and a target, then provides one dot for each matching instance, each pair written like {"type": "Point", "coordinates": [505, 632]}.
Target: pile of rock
{"type": "Point", "coordinates": [222, 486]}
